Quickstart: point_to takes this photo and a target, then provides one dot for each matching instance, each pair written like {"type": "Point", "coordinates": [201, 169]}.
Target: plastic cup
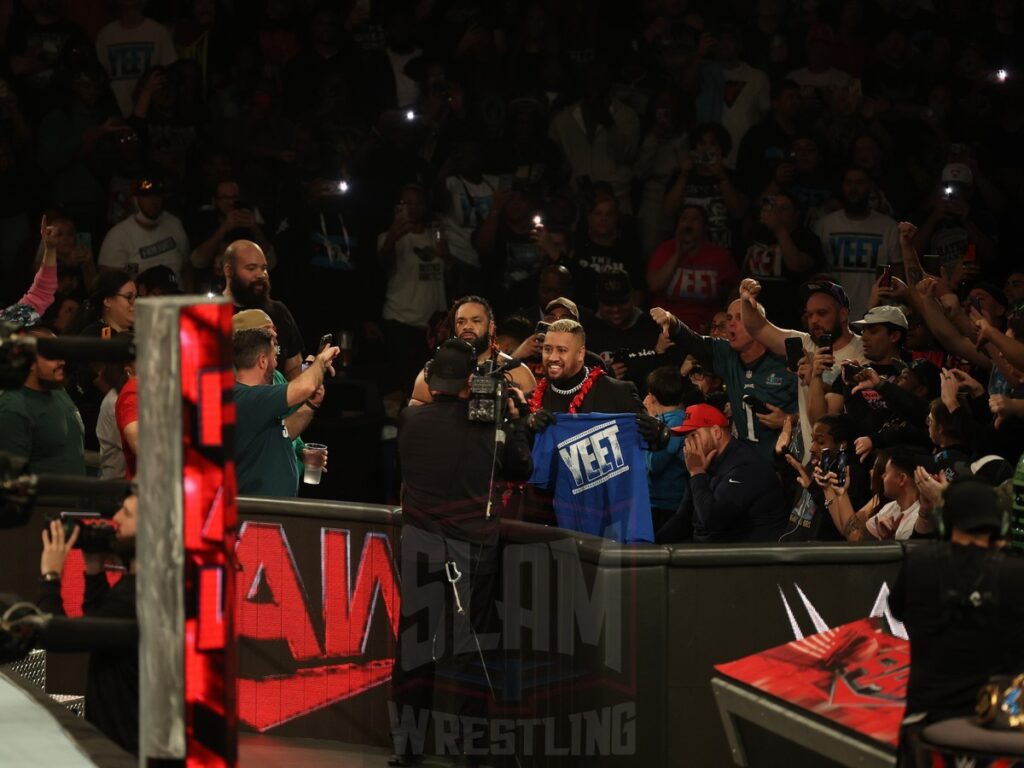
{"type": "Point", "coordinates": [313, 458]}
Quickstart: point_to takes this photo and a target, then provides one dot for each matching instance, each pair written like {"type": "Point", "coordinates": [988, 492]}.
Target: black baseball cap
{"type": "Point", "coordinates": [147, 186]}
{"type": "Point", "coordinates": [927, 375]}
{"type": "Point", "coordinates": [971, 506]}
{"type": "Point", "coordinates": [614, 287]}
{"type": "Point", "coordinates": [992, 290]}
{"type": "Point", "coordinates": [835, 290]}
{"type": "Point", "coordinates": [451, 367]}
{"type": "Point", "coordinates": [989, 469]}
{"type": "Point", "coordinates": [159, 278]}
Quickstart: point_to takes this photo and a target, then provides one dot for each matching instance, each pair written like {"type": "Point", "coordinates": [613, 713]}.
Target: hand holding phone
{"type": "Point", "coordinates": [794, 353]}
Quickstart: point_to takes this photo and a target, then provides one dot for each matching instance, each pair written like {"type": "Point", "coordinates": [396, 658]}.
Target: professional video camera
{"type": "Point", "coordinates": [488, 392]}
{"type": "Point", "coordinates": [88, 497]}
{"type": "Point", "coordinates": [18, 351]}
{"type": "Point", "coordinates": [24, 627]}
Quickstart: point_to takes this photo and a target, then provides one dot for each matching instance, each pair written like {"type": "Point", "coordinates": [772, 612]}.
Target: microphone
{"type": "Point", "coordinates": [506, 367]}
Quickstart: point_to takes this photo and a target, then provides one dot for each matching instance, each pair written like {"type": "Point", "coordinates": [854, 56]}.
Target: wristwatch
{"type": "Point", "coordinates": [51, 576]}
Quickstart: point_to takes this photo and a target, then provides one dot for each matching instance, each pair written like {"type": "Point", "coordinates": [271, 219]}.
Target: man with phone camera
{"type": "Point", "coordinates": [958, 219]}
{"type": "Point", "coordinates": [628, 341]}
{"type": "Point", "coordinates": [228, 217]}
{"type": "Point", "coordinates": [826, 312]}
{"type": "Point", "coordinates": [415, 262]}
{"type": "Point", "coordinates": [748, 369]}
{"type": "Point", "coordinates": [266, 423]}
{"type": "Point", "coordinates": [856, 391]}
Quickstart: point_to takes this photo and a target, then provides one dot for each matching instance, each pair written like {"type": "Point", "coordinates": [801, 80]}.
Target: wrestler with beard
{"type": "Point", "coordinates": [472, 320]}
{"type": "Point", "coordinates": [572, 387]}
{"type": "Point", "coordinates": [247, 284]}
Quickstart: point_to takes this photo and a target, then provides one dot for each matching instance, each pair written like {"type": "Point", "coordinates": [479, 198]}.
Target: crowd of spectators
{"type": "Point", "coordinates": [721, 193]}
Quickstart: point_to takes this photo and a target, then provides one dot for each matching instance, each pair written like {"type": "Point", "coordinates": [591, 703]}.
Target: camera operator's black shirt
{"type": "Point", "coordinates": [112, 684]}
{"type": "Point", "coordinates": [446, 468]}
{"type": "Point", "coordinates": [955, 647]}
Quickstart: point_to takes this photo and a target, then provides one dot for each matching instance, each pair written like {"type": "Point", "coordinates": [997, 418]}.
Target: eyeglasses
{"type": "Point", "coordinates": [129, 297]}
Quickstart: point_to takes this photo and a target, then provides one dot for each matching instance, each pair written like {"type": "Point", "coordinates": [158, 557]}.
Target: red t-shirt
{"type": "Point", "coordinates": [127, 410]}
{"type": "Point", "coordinates": [699, 284]}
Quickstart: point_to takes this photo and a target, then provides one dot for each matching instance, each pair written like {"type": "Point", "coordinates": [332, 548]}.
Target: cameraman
{"type": "Point", "coordinates": [449, 520]}
{"type": "Point", "coordinates": [112, 685]}
{"type": "Point", "coordinates": [960, 601]}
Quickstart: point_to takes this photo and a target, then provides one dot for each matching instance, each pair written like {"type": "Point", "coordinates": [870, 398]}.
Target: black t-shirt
{"type": "Point", "coordinates": [639, 339]}
{"type": "Point", "coordinates": [590, 260]}
{"type": "Point", "coordinates": [956, 646]}
{"type": "Point", "coordinates": [706, 193]}
{"type": "Point", "coordinates": [868, 408]}
{"type": "Point", "coordinates": [326, 273]}
{"type": "Point", "coordinates": [513, 269]}
{"type": "Point", "coordinates": [780, 286]}
{"type": "Point", "coordinates": [761, 150]}
{"type": "Point", "coordinates": [447, 479]}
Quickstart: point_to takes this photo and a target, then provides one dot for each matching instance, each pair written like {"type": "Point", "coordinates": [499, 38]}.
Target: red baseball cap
{"type": "Point", "coordinates": [701, 415]}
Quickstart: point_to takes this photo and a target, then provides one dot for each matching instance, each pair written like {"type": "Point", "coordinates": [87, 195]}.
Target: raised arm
{"type": "Point", "coordinates": [757, 325]}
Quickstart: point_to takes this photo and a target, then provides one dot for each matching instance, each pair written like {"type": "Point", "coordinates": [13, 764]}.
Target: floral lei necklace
{"type": "Point", "coordinates": [586, 384]}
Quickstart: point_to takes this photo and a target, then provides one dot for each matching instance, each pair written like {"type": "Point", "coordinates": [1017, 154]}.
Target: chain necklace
{"type": "Point", "coordinates": [572, 390]}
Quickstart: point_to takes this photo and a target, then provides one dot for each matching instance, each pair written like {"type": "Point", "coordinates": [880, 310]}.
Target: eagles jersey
{"type": "Point", "coordinates": [594, 465]}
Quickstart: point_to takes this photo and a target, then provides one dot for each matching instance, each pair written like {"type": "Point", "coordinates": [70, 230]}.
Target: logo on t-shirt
{"type": "Point", "coordinates": [764, 260]}
{"type": "Point", "coordinates": [129, 60]}
{"type": "Point", "coordinates": [694, 284]}
{"type": "Point", "coordinates": [157, 248]}
{"type": "Point", "coordinates": [732, 90]}
{"type": "Point", "coordinates": [855, 251]}
{"type": "Point", "coordinates": [593, 456]}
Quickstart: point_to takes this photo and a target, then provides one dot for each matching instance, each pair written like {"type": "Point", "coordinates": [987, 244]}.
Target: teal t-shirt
{"type": "Point", "coordinates": [43, 427]}
{"type": "Point", "coordinates": [298, 444]}
{"type": "Point", "coordinates": [767, 378]}
{"type": "Point", "coordinates": [264, 456]}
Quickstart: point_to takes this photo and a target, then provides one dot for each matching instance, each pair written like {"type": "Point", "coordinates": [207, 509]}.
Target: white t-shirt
{"type": "Point", "coordinates": [134, 248]}
{"type": "Point", "coordinates": [608, 156]}
{"type": "Point", "coordinates": [111, 453]}
{"type": "Point", "coordinates": [468, 206]}
{"type": "Point", "coordinates": [127, 53]}
{"type": "Point", "coordinates": [416, 285]}
{"type": "Point", "coordinates": [853, 350]}
{"type": "Point", "coordinates": [746, 98]}
{"type": "Point", "coordinates": [854, 248]}
{"type": "Point", "coordinates": [907, 519]}
{"type": "Point", "coordinates": [407, 90]}
{"type": "Point", "coordinates": [828, 83]}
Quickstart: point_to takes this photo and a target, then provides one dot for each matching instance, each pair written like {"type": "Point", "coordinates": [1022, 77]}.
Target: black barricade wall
{"type": "Point", "coordinates": [610, 648]}
{"type": "Point", "coordinates": [728, 603]}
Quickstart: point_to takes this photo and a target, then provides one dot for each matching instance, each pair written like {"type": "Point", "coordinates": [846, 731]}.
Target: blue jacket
{"type": "Point", "coordinates": [666, 472]}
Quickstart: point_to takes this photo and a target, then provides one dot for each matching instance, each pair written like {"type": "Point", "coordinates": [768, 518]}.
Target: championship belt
{"type": "Point", "coordinates": [1000, 704]}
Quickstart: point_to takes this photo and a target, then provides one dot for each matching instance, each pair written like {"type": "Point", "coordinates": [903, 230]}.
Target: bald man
{"type": "Point", "coordinates": [247, 284]}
